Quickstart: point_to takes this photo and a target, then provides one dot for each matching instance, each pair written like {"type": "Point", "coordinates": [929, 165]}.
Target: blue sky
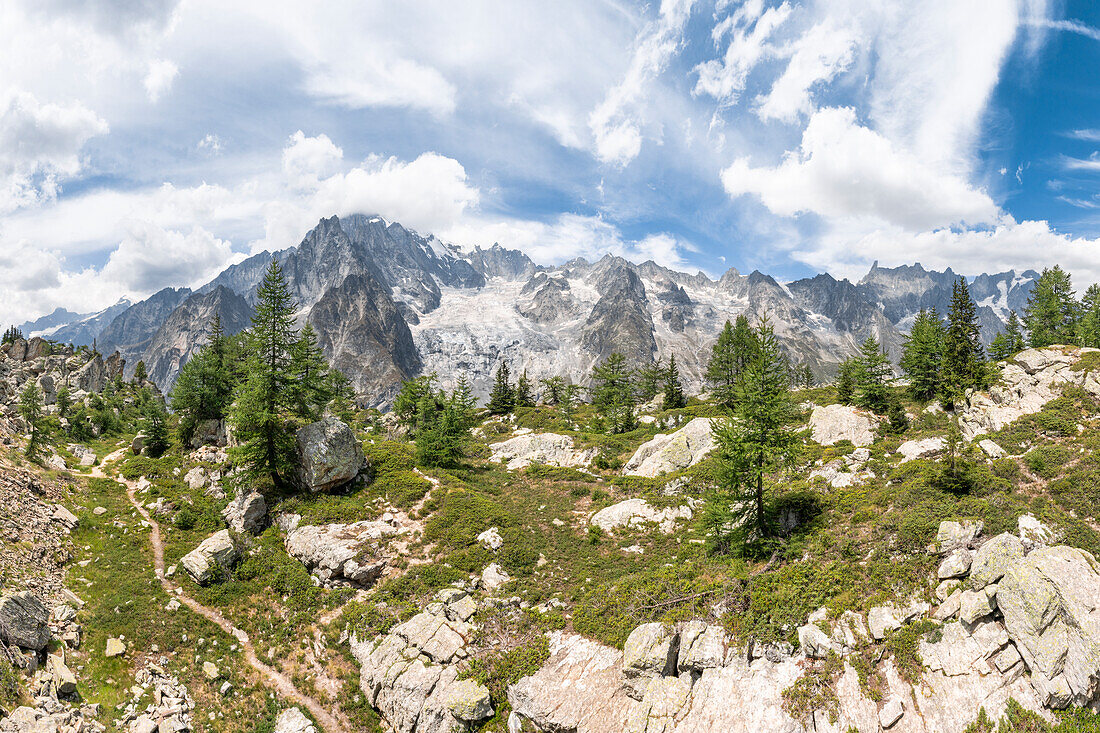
{"type": "Point", "coordinates": [146, 143]}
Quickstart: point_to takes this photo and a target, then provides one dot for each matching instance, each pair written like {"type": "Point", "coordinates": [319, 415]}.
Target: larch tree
{"type": "Point", "coordinates": [964, 364]}
{"type": "Point", "coordinates": [503, 397]}
{"type": "Point", "coordinates": [922, 358]}
{"type": "Point", "coordinates": [1052, 310]}
{"type": "Point", "coordinates": [673, 390]}
{"type": "Point", "coordinates": [735, 346]}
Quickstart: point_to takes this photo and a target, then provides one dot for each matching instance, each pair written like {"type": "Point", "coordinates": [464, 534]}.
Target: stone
{"type": "Point", "coordinates": [831, 424]}
{"type": "Point", "coordinates": [63, 678]}
{"type": "Point", "coordinates": [636, 513]}
{"type": "Point", "coordinates": [976, 604]}
{"type": "Point", "coordinates": [329, 455]}
{"type": "Point", "coordinates": [702, 646]}
{"type": "Point", "coordinates": [494, 576]}
{"type": "Point", "coordinates": [673, 452]}
{"type": "Point", "coordinates": [137, 445]}
{"type": "Point", "coordinates": [214, 556]}
{"type": "Point", "coordinates": [882, 619]}
{"type": "Point", "coordinates": [651, 649]}
{"type": "Point", "coordinates": [891, 712]}
{"type": "Point", "coordinates": [925, 448]}
{"type": "Point", "coordinates": [550, 449]}
{"type": "Point", "coordinates": [210, 671]}
{"type": "Point", "coordinates": [991, 449]}
{"type": "Point", "coordinates": [23, 621]}
{"type": "Point", "coordinates": [956, 564]}
{"type": "Point", "coordinates": [209, 432]}
{"type": "Point", "coordinates": [1049, 603]}
{"type": "Point", "coordinates": [850, 631]}
{"type": "Point", "coordinates": [247, 513]}
{"type": "Point", "coordinates": [814, 642]}
{"type": "Point", "coordinates": [946, 588]}
{"type": "Point", "coordinates": [490, 539]}
{"type": "Point", "coordinates": [353, 553]}
{"type": "Point", "coordinates": [950, 606]}
{"type": "Point", "coordinates": [469, 701]}
{"type": "Point", "coordinates": [196, 478]}
{"type": "Point", "coordinates": [952, 535]}
{"type": "Point", "coordinates": [65, 518]}
{"type": "Point", "coordinates": [994, 558]}
{"type": "Point", "coordinates": [1033, 533]}
{"type": "Point", "coordinates": [293, 720]}
{"type": "Point", "coordinates": [114, 648]}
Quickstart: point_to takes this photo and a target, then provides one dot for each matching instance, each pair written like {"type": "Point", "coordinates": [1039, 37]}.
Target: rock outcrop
{"type": "Point", "coordinates": [23, 621]}
{"type": "Point", "coordinates": [637, 513]}
{"type": "Point", "coordinates": [550, 449]}
{"type": "Point", "coordinates": [344, 553]}
{"type": "Point", "coordinates": [247, 513]}
{"type": "Point", "coordinates": [831, 424]}
{"type": "Point", "coordinates": [329, 455]}
{"type": "Point", "coordinates": [673, 452]}
{"type": "Point", "coordinates": [214, 557]}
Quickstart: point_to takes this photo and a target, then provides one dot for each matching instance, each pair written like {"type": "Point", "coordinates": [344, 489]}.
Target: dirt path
{"type": "Point", "coordinates": [273, 678]}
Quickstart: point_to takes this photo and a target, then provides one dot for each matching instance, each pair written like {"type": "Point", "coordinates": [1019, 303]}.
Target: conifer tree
{"type": "Point", "coordinates": [64, 401]}
{"type": "Point", "coordinates": [204, 388]}
{"type": "Point", "coordinates": [613, 393]}
{"type": "Point", "coordinates": [673, 390]}
{"type": "Point", "coordinates": [12, 334]}
{"type": "Point", "coordinates": [260, 412]}
{"type": "Point", "coordinates": [503, 397]}
{"type": "Point", "coordinates": [873, 377]}
{"type": "Point", "coordinates": [1015, 333]}
{"type": "Point", "coordinates": [735, 346]}
{"type": "Point", "coordinates": [846, 380]}
{"type": "Point", "coordinates": [407, 403]}
{"type": "Point", "coordinates": [553, 389]}
{"type": "Point", "coordinates": [1052, 311]}
{"type": "Point", "coordinates": [463, 398]}
{"type": "Point", "coordinates": [31, 410]}
{"type": "Point", "coordinates": [156, 429]}
{"type": "Point", "coordinates": [761, 439]}
{"type": "Point", "coordinates": [923, 355]}
{"type": "Point", "coordinates": [1088, 328]}
{"type": "Point", "coordinates": [964, 363]}
{"type": "Point", "coordinates": [140, 375]}
{"type": "Point", "coordinates": [310, 380]}
{"type": "Point", "coordinates": [805, 376]}
{"type": "Point", "coordinates": [1000, 348]}
{"type": "Point", "coordinates": [651, 381]}
{"type": "Point", "coordinates": [897, 419]}
{"type": "Point", "coordinates": [567, 401]}
{"type": "Point", "coordinates": [524, 398]}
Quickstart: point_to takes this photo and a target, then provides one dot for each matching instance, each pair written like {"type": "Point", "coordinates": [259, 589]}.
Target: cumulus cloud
{"type": "Point", "coordinates": [818, 56]}
{"type": "Point", "coordinates": [306, 160]}
{"type": "Point", "coordinates": [40, 146]}
{"type": "Point", "coordinates": [159, 78]}
{"type": "Point", "coordinates": [150, 258]}
{"type": "Point", "coordinates": [844, 170]}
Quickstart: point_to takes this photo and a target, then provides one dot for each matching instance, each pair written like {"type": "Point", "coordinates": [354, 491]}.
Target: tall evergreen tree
{"type": "Point", "coordinates": [64, 401]}
{"type": "Point", "coordinates": [140, 375]}
{"type": "Point", "coordinates": [1015, 333]}
{"type": "Point", "coordinates": [735, 346]}
{"type": "Point", "coordinates": [761, 439]}
{"type": "Point", "coordinates": [567, 401]}
{"type": "Point", "coordinates": [1052, 311]}
{"type": "Point", "coordinates": [503, 397]}
{"type": "Point", "coordinates": [265, 399]}
{"type": "Point", "coordinates": [12, 334]}
{"type": "Point", "coordinates": [524, 397]}
{"type": "Point", "coordinates": [31, 410]}
{"type": "Point", "coordinates": [156, 429]}
{"type": "Point", "coordinates": [873, 377]}
{"type": "Point", "coordinates": [1088, 328]}
{"type": "Point", "coordinates": [553, 389]}
{"type": "Point", "coordinates": [923, 355]}
{"type": "Point", "coordinates": [674, 391]}
{"type": "Point", "coordinates": [846, 380]}
{"type": "Point", "coordinates": [310, 380]}
{"type": "Point", "coordinates": [204, 387]}
{"type": "Point", "coordinates": [964, 363]}
{"type": "Point", "coordinates": [650, 381]}
{"type": "Point", "coordinates": [1000, 348]}
{"type": "Point", "coordinates": [463, 398]}
{"type": "Point", "coordinates": [613, 394]}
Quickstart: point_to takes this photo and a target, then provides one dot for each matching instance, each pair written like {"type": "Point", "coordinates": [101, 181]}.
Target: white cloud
{"type": "Point", "coordinates": [159, 78]}
{"type": "Point", "coordinates": [750, 29]}
{"type": "Point", "coordinates": [616, 121]}
{"type": "Point", "coordinates": [1091, 135]}
{"type": "Point", "coordinates": [150, 258]}
{"type": "Point", "coordinates": [845, 170]}
{"type": "Point", "coordinates": [374, 81]}
{"type": "Point", "coordinates": [1091, 164]}
{"type": "Point", "coordinates": [40, 146]}
{"type": "Point", "coordinates": [306, 160]}
{"type": "Point", "coordinates": [818, 56]}
{"type": "Point", "coordinates": [210, 142]}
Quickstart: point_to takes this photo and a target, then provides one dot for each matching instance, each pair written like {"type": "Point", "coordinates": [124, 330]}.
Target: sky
{"type": "Point", "coordinates": [151, 143]}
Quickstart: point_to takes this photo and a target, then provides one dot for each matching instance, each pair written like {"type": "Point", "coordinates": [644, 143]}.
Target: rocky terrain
{"type": "Point", "coordinates": [389, 304]}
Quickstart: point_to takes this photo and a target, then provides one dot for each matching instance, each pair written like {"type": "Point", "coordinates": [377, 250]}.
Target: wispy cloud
{"type": "Point", "coordinates": [1069, 26]}
{"type": "Point", "coordinates": [1092, 163]}
{"type": "Point", "coordinates": [1089, 134]}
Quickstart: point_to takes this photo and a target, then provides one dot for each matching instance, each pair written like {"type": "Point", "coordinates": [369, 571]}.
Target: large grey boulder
{"type": "Point", "coordinates": [953, 535]}
{"type": "Point", "coordinates": [210, 432]}
{"type": "Point", "coordinates": [637, 513]}
{"type": "Point", "coordinates": [651, 649]}
{"type": "Point", "coordinates": [215, 555]}
{"type": "Point", "coordinates": [673, 452]}
{"type": "Point", "coordinates": [550, 449]}
{"type": "Point", "coordinates": [343, 553]}
{"type": "Point", "coordinates": [23, 621]}
{"type": "Point", "coordinates": [293, 720]}
{"type": "Point", "coordinates": [247, 513]}
{"type": "Point", "coordinates": [1051, 606]}
{"type": "Point", "coordinates": [329, 455]}
{"type": "Point", "coordinates": [831, 424]}
{"type": "Point", "coordinates": [994, 558]}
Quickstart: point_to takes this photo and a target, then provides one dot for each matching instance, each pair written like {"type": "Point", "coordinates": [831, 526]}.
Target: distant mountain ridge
{"type": "Point", "coordinates": [389, 304]}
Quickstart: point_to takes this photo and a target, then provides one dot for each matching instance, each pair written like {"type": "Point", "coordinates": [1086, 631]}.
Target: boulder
{"type": "Point", "coordinates": [64, 680]}
{"type": "Point", "coordinates": [991, 449]}
{"type": "Point", "coordinates": [831, 424]}
{"type": "Point", "coordinates": [293, 720]}
{"type": "Point", "coordinates": [925, 448]}
{"type": "Point", "coordinates": [215, 555]}
{"type": "Point", "coordinates": [137, 445]}
{"type": "Point", "coordinates": [114, 648]}
{"type": "Point", "coordinates": [549, 449]}
{"type": "Point", "coordinates": [976, 604]}
{"type": "Point", "coordinates": [209, 432]}
{"type": "Point", "coordinates": [953, 535]}
{"type": "Point", "coordinates": [1049, 603]}
{"type": "Point", "coordinates": [891, 712]}
{"type": "Point", "coordinates": [92, 377]}
{"type": "Point", "coordinates": [636, 513]}
{"type": "Point", "coordinates": [196, 478]}
{"type": "Point", "coordinates": [247, 513]}
{"type": "Point", "coordinates": [673, 452]}
{"type": "Point", "coordinates": [651, 649]}
{"type": "Point", "coordinates": [23, 621]}
{"type": "Point", "coordinates": [956, 564]}
{"type": "Point", "coordinates": [490, 539]}
{"type": "Point", "coordinates": [469, 701]}
{"type": "Point", "coordinates": [702, 646]}
{"type": "Point", "coordinates": [814, 642]}
{"type": "Point", "coordinates": [343, 553]}
{"type": "Point", "coordinates": [1033, 533]}
{"type": "Point", "coordinates": [329, 455]}
{"type": "Point", "coordinates": [494, 576]}
{"type": "Point", "coordinates": [994, 558]}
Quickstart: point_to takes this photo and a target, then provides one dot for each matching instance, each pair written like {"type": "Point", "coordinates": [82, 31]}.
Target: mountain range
{"type": "Point", "coordinates": [389, 304]}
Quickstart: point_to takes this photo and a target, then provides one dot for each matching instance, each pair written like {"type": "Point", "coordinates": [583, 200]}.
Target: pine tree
{"type": "Point", "coordinates": [1000, 348]}
{"type": "Point", "coordinates": [806, 377]}
{"type": "Point", "coordinates": [31, 410]}
{"type": "Point", "coordinates": [1052, 310]}
{"type": "Point", "coordinates": [761, 439]}
{"type": "Point", "coordinates": [1015, 334]}
{"type": "Point", "coordinates": [964, 363]}
{"type": "Point", "coordinates": [846, 380]}
{"type": "Point", "coordinates": [923, 355]}
{"type": "Point", "coordinates": [553, 386]}
{"type": "Point", "coordinates": [260, 412]}
{"type": "Point", "coordinates": [897, 419]}
{"type": "Point", "coordinates": [651, 381]}
{"type": "Point", "coordinates": [873, 377]}
{"type": "Point", "coordinates": [613, 393]}
{"type": "Point", "coordinates": [64, 401]}
{"type": "Point", "coordinates": [718, 522]}
{"type": "Point", "coordinates": [204, 388]}
{"type": "Point", "coordinates": [156, 429]}
{"type": "Point", "coordinates": [503, 397]}
{"type": "Point", "coordinates": [463, 398]}
{"type": "Point", "coordinates": [12, 334]}
{"type": "Point", "coordinates": [735, 346]}
{"type": "Point", "coordinates": [567, 401]}
{"type": "Point", "coordinates": [524, 398]}
{"type": "Point", "coordinates": [674, 392]}
{"type": "Point", "coordinates": [407, 403]}
{"type": "Point", "coordinates": [1088, 328]}
{"type": "Point", "coordinates": [140, 375]}
{"type": "Point", "coordinates": [310, 381]}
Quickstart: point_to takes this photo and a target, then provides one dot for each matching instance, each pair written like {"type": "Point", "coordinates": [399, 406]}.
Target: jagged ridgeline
{"type": "Point", "coordinates": [389, 304]}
